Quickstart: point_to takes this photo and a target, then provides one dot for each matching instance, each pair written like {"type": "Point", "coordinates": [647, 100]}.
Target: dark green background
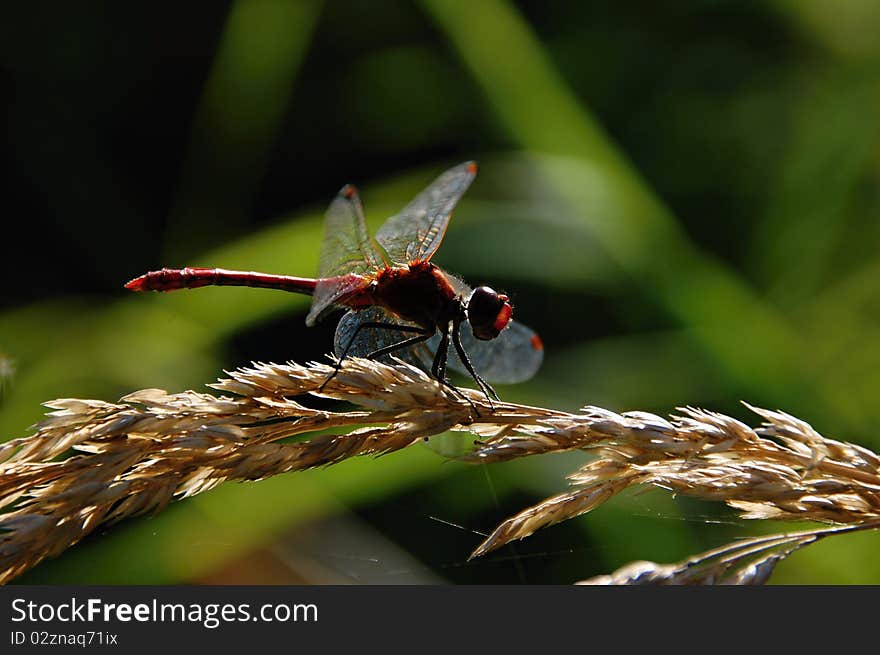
{"type": "Point", "coordinates": [682, 197]}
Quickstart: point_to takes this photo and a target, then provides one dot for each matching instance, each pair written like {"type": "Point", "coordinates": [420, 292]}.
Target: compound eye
{"type": "Point", "coordinates": [488, 312]}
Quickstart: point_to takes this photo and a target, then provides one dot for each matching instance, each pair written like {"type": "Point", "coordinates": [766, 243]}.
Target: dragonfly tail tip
{"type": "Point", "coordinates": [137, 284]}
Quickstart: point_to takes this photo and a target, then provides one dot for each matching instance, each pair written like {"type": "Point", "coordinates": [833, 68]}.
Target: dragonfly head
{"type": "Point", "coordinates": [488, 312]}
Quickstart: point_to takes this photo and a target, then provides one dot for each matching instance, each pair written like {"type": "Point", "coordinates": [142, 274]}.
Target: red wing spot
{"type": "Point", "coordinates": [536, 342]}
{"type": "Point", "coordinates": [472, 168]}
{"type": "Point", "coordinates": [349, 191]}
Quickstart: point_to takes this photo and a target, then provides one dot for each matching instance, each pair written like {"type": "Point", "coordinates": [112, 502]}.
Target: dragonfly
{"type": "Point", "coordinates": [398, 302]}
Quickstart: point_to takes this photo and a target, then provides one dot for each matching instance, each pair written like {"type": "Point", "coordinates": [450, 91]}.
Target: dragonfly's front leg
{"type": "Point", "coordinates": [485, 387]}
{"type": "Point", "coordinates": [438, 368]}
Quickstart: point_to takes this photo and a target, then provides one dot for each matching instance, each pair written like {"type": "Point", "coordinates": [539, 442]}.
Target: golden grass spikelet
{"type": "Point", "coordinates": [744, 562]}
{"type": "Point", "coordinates": [783, 469]}
{"type": "Point", "coordinates": [92, 463]}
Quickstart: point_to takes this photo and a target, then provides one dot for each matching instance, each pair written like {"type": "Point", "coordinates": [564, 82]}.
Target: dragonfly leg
{"type": "Point", "coordinates": [387, 350]}
{"type": "Point", "coordinates": [485, 387]}
{"type": "Point", "coordinates": [423, 335]}
{"type": "Point", "coordinates": [438, 369]}
{"type": "Point", "coordinates": [437, 372]}
{"type": "Point", "coordinates": [458, 392]}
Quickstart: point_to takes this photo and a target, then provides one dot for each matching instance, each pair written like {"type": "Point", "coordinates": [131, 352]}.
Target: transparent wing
{"type": "Point", "coordinates": [346, 247]}
{"type": "Point", "coordinates": [416, 232]}
{"type": "Point", "coordinates": [513, 356]}
{"type": "Point", "coordinates": [330, 292]}
{"type": "Point", "coordinates": [346, 253]}
{"type": "Point", "coordinates": [371, 340]}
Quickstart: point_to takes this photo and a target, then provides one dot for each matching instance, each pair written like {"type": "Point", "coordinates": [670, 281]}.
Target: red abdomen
{"type": "Point", "coordinates": [171, 279]}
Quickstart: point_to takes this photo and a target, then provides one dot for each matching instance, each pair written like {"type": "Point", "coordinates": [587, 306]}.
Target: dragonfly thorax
{"type": "Point", "coordinates": [420, 293]}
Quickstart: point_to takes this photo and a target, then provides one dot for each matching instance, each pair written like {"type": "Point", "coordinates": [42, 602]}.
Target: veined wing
{"type": "Point", "coordinates": [346, 253]}
{"type": "Point", "coordinates": [370, 340]}
{"type": "Point", "coordinates": [513, 356]}
{"type": "Point", "coordinates": [416, 232]}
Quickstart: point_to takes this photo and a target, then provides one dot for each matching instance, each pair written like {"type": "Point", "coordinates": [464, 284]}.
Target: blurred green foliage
{"type": "Point", "coordinates": [681, 197]}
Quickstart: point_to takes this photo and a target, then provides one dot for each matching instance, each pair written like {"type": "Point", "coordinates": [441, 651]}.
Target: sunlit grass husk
{"type": "Point", "coordinates": [92, 463]}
